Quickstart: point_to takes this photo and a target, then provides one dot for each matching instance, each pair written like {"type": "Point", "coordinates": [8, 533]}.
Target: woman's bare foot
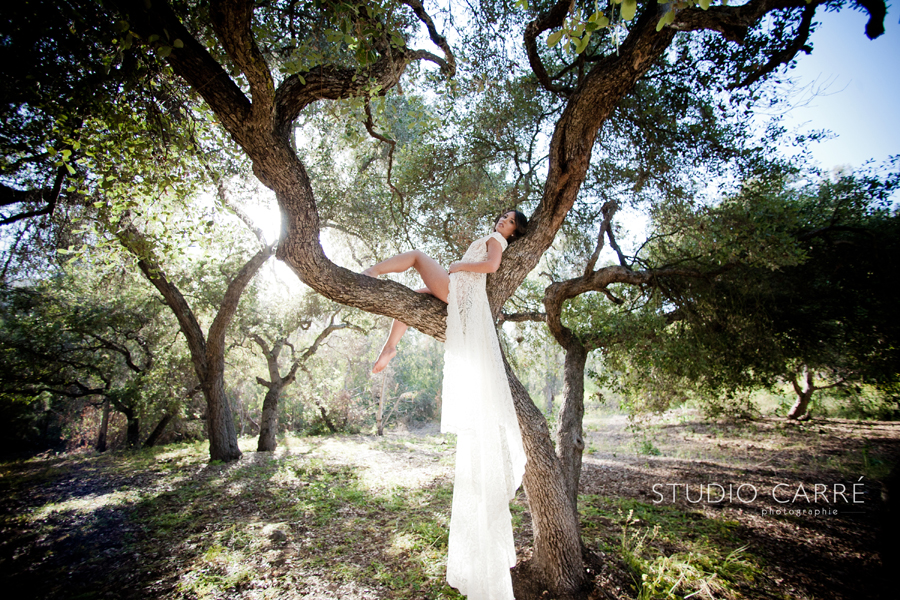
{"type": "Point", "coordinates": [370, 272]}
{"type": "Point", "coordinates": [387, 353]}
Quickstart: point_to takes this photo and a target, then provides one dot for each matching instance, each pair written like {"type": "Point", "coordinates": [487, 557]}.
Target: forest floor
{"type": "Point", "coordinates": [365, 517]}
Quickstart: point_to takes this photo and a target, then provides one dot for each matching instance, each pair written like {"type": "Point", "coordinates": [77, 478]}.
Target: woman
{"type": "Point", "coordinates": [511, 225]}
{"type": "Point", "coordinates": [478, 408]}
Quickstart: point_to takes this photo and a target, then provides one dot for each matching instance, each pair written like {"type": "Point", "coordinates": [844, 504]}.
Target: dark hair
{"type": "Point", "coordinates": [521, 224]}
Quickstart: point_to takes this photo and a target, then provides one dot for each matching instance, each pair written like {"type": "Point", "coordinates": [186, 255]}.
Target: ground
{"type": "Point", "coordinates": [365, 517]}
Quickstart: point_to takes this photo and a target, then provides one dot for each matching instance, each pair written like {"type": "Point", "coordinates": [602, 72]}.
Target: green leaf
{"type": "Point", "coordinates": [178, 44]}
{"type": "Point", "coordinates": [164, 51]}
{"type": "Point", "coordinates": [553, 38]}
{"type": "Point", "coordinates": [302, 80]}
{"type": "Point", "coordinates": [70, 169]}
{"type": "Point", "coordinates": [629, 9]}
{"type": "Point", "coordinates": [666, 19]}
{"type": "Point", "coordinates": [704, 4]}
{"type": "Point", "coordinates": [582, 43]}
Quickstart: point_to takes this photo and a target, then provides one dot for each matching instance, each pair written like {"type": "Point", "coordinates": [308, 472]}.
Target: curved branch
{"type": "Point", "coordinates": [448, 64]}
{"type": "Point", "coordinates": [788, 53]}
{"type": "Point", "coordinates": [12, 196]}
{"type": "Point", "coordinates": [332, 82]}
{"type": "Point", "coordinates": [370, 127]}
{"type": "Point", "coordinates": [551, 19]}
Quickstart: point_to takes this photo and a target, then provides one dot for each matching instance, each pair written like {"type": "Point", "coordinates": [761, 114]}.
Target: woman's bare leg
{"type": "Point", "coordinates": [435, 277]}
{"type": "Point", "coordinates": [389, 350]}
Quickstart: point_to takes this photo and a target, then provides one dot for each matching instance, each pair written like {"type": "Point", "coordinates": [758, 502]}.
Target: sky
{"type": "Point", "coordinates": [861, 99]}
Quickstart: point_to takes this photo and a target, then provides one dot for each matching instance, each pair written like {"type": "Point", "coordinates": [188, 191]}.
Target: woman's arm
{"type": "Point", "coordinates": [495, 253]}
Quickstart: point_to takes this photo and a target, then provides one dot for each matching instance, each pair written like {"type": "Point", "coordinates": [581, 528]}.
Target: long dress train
{"type": "Point", "coordinates": [490, 459]}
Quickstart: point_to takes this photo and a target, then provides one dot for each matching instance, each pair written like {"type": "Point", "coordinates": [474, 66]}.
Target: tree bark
{"type": "Point", "coordinates": [268, 423]}
{"type": "Point", "coordinates": [556, 559]}
{"type": "Point", "coordinates": [569, 432]}
{"type": "Point", "coordinates": [104, 428]}
{"type": "Point", "coordinates": [158, 430]}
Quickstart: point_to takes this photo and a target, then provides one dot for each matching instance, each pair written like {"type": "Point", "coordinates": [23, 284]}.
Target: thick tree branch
{"type": "Point", "coordinates": [231, 20]}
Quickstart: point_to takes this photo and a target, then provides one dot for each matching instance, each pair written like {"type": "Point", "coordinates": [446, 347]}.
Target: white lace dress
{"type": "Point", "coordinates": [490, 459]}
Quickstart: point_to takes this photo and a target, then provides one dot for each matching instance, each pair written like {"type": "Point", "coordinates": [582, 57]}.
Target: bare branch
{"type": "Point", "coordinates": [448, 66]}
{"type": "Point", "coordinates": [370, 127]}
{"type": "Point", "coordinates": [50, 196]}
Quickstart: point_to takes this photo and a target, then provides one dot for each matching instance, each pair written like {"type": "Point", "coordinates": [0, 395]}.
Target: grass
{"type": "Point", "coordinates": [256, 528]}
{"type": "Point", "coordinates": [364, 517]}
{"type": "Point", "coordinates": [670, 553]}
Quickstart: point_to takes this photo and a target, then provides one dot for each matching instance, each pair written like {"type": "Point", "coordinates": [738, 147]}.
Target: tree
{"type": "Point", "coordinates": [275, 385]}
{"type": "Point", "coordinates": [367, 57]}
{"type": "Point", "coordinates": [813, 314]}
{"type": "Point", "coordinates": [65, 338]}
{"type": "Point", "coordinates": [207, 349]}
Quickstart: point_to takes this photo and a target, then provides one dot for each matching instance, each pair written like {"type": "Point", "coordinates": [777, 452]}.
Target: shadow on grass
{"type": "Point", "coordinates": [162, 523]}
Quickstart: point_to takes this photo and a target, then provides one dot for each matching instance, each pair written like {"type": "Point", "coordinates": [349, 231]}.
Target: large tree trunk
{"type": "Point", "coordinates": [220, 422]}
{"type": "Point", "coordinates": [556, 560]}
{"type": "Point", "coordinates": [104, 428]}
{"type": "Point", "coordinates": [268, 423]}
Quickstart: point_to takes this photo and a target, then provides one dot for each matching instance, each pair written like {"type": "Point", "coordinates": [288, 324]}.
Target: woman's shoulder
{"type": "Point", "coordinates": [497, 236]}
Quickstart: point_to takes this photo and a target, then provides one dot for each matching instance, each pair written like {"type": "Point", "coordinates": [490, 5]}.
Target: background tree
{"type": "Point", "coordinates": [812, 317]}
{"type": "Point", "coordinates": [66, 339]}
